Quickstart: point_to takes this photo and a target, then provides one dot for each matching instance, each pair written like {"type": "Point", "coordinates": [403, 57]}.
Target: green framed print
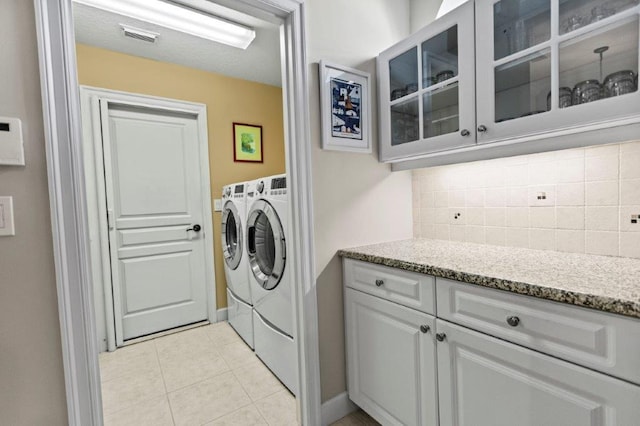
{"type": "Point", "coordinates": [247, 143]}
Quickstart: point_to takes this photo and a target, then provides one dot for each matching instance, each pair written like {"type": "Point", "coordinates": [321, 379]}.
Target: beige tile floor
{"type": "Point", "coordinates": [359, 418]}
{"type": "Point", "coordinates": [203, 376]}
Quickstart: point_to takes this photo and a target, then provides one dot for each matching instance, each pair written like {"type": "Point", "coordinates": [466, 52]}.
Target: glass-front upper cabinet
{"type": "Point", "coordinates": [427, 89]}
{"type": "Point", "coordinates": [544, 65]}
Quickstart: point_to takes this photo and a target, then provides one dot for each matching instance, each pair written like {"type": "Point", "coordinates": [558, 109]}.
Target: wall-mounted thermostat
{"type": "Point", "coordinates": [11, 148]}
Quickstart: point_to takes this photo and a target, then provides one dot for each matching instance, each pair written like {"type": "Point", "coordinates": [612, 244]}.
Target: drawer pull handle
{"type": "Point", "coordinates": [513, 321]}
{"type": "Point", "coordinates": [379, 283]}
{"type": "Point", "coordinates": [440, 337]}
{"type": "Point", "coordinates": [425, 328]}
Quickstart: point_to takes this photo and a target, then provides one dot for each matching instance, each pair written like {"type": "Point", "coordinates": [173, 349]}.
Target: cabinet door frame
{"type": "Point", "coordinates": [463, 17]}
{"type": "Point", "coordinates": [612, 400]}
{"type": "Point", "coordinates": [426, 378]}
{"type": "Point", "coordinates": [604, 113]}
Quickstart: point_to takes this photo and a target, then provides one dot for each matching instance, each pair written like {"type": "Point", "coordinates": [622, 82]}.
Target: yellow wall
{"type": "Point", "coordinates": [228, 100]}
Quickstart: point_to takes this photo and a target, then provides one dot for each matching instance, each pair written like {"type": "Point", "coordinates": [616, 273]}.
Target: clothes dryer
{"type": "Point", "coordinates": [236, 267]}
{"type": "Point", "coordinates": [270, 276]}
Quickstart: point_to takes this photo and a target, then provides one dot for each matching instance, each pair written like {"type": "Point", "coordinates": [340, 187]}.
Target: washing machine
{"type": "Point", "coordinates": [270, 276]}
{"type": "Point", "coordinates": [236, 266]}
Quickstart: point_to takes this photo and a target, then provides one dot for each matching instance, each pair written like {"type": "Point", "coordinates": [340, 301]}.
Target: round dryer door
{"type": "Point", "coordinates": [231, 235]}
{"type": "Point", "coordinates": [265, 244]}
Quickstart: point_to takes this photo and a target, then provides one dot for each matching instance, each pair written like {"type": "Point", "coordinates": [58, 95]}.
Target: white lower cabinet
{"type": "Point", "coordinates": [391, 360]}
{"type": "Point", "coordinates": [407, 367]}
{"type": "Point", "coordinates": [484, 381]}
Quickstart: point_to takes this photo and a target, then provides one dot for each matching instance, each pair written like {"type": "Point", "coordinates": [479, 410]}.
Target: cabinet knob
{"type": "Point", "coordinates": [379, 283]}
{"type": "Point", "coordinates": [440, 337]}
{"type": "Point", "coordinates": [482, 128]}
{"type": "Point", "coordinates": [425, 328]}
{"type": "Point", "coordinates": [513, 321]}
{"type": "Point", "coordinates": [465, 132]}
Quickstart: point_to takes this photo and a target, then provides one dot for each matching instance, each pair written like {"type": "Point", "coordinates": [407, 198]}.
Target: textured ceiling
{"type": "Point", "coordinates": [260, 62]}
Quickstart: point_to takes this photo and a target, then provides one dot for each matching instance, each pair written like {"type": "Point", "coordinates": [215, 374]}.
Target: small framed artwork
{"type": "Point", "coordinates": [345, 108]}
{"type": "Point", "coordinates": [247, 143]}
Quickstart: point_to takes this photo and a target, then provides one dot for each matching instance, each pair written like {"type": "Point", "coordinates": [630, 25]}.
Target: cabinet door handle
{"type": "Point", "coordinates": [465, 132]}
{"type": "Point", "coordinates": [425, 328]}
{"type": "Point", "coordinates": [379, 283]}
{"type": "Point", "coordinates": [513, 321]}
{"type": "Point", "coordinates": [482, 128]}
{"type": "Point", "coordinates": [440, 337]}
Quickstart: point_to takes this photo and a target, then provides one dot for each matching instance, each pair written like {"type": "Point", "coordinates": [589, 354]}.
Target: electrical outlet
{"type": "Point", "coordinates": [542, 196]}
{"type": "Point", "coordinates": [635, 218]}
{"type": "Point", "coordinates": [217, 205]}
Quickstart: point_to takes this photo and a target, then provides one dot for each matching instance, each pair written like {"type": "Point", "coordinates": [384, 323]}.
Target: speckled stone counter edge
{"type": "Point", "coordinates": [605, 304]}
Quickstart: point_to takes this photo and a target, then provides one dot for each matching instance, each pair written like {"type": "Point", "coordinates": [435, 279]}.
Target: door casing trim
{"type": "Point", "coordinates": [94, 171]}
{"type": "Point", "coordinates": [62, 128]}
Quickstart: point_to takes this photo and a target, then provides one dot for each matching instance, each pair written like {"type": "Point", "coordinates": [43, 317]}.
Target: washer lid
{"type": "Point", "coordinates": [231, 235]}
{"type": "Point", "coordinates": [266, 244]}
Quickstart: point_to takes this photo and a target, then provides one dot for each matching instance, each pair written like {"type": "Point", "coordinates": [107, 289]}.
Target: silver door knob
{"type": "Point", "coordinates": [482, 128]}
{"type": "Point", "coordinates": [440, 337]}
{"type": "Point", "coordinates": [465, 132]}
{"type": "Point", "coordinates": [425, 328]}
{"type": "Point", "coordinates": [379, 283]}
{"type": "Point", "coordinates": [513, 321]}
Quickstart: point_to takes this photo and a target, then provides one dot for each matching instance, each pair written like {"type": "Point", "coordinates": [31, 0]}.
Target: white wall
{"type": "Point", "coordinates": [423, 12]}
{"type": "Point", "coordinates": [591, 194]}
{"type": "Point", "coordinates": [31, 374]}
{"type": "Point", "coordinates": [357, 200]}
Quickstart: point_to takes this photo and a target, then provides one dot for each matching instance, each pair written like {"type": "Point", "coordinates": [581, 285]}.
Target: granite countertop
{"type": "Point", "coordinates": [610, 284]}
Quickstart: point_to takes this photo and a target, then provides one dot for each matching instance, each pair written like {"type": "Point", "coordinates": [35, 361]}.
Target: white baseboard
{"type": "Point", "coordinates": [222, 315]}
{"type": "Point", "coordinates": [336, 408]}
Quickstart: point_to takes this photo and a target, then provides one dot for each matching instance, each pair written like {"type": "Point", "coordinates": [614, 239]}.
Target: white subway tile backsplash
{"type": "Point", "coordinates": [495, 216]}
{"type": "Point", "coordinates": [518, 217]}
{"type": "Point", "coordinates": [570, 241]}
{"type": "Point", "coordinates": [542, 217]}
{"type": "Point", "coordinates": [626, 218]}
{"type": "Point", "coordinates": [517, 237]}
{"type": "Point", "coordinates": [475, 234]}
{"type": "Point", "coordinates": [630, 192]}
{"type": "Point", "coordinates": [475, 216]}
{"type": "Point", "coordinates": [591, 194]}
{"type": "Point", "coordinates": [475, 198]}
{"type": "Point", "coordinates": [569, 170]}
{"type": "Point", "coordinates": [601, 167]}
{"type": "Point", "coordinates": [495, 197]}
{"type": "Point", "coordinates": [518, 196]}
{"type": "Point", "coordinates": [542, 239]}
{"type": "Point", "coordinates": [602, 193]}
{"type": "Point", "coordinates": [602, 218]}
{"type": "Point", "coordinates": [602, 242]}
{"type": "Point", "coordinates": [496, 236]}
{"type": "Point", "coordinates": [630, 244]}
{"type": "Point", "coordinates": [570, 218]}
{"type": "Point", "coordinates": [570, 194]}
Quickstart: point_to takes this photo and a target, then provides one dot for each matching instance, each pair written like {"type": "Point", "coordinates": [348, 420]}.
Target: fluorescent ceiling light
{"type": "Point", "coordinates": [178, 18]}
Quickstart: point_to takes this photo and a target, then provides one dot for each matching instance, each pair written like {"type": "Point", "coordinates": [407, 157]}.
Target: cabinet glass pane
{"type": "Point", "coordinates": [405, 124]}
{"type": "Point", "coordinates": [440, 111]}
{"type": "Point", "coordinates": [522, 86]}
{"type": "Point", "coordinates": [520, 24]}
{"type": "Point", "coordinates": [440, 57]}
{"type": "Point", "coordinates": [576, 14]}
{"type": "Point", "coordinates": [588, 77]}
{"type": "Point", "coordinates": [403, 74]}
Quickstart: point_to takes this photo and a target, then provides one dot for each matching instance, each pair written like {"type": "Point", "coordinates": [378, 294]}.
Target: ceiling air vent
{"type": "Point", "coordinates": [139, 34]}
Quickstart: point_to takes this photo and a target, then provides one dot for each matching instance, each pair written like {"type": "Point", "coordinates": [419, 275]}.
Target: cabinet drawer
{"type": "Point", "coordinates": [601, 341]}
{"type": "Point", "coordinates": [410, 289]}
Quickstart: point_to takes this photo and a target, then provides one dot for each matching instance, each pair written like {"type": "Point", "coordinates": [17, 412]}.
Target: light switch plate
{"type": "Point", "coordinates": [217, 205]}
{"type": "Point", "coordinates": [11, 147]}
{"type": "Point", "coordinates": [7, 227]}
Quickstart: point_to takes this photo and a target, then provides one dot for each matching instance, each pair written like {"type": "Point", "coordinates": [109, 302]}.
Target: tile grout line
{"type": "Point", "coordinates": [166, 391]}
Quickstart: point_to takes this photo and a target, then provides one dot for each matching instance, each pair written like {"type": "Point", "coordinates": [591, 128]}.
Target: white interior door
{"type": "Point", "coordinates": [155, 214]}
